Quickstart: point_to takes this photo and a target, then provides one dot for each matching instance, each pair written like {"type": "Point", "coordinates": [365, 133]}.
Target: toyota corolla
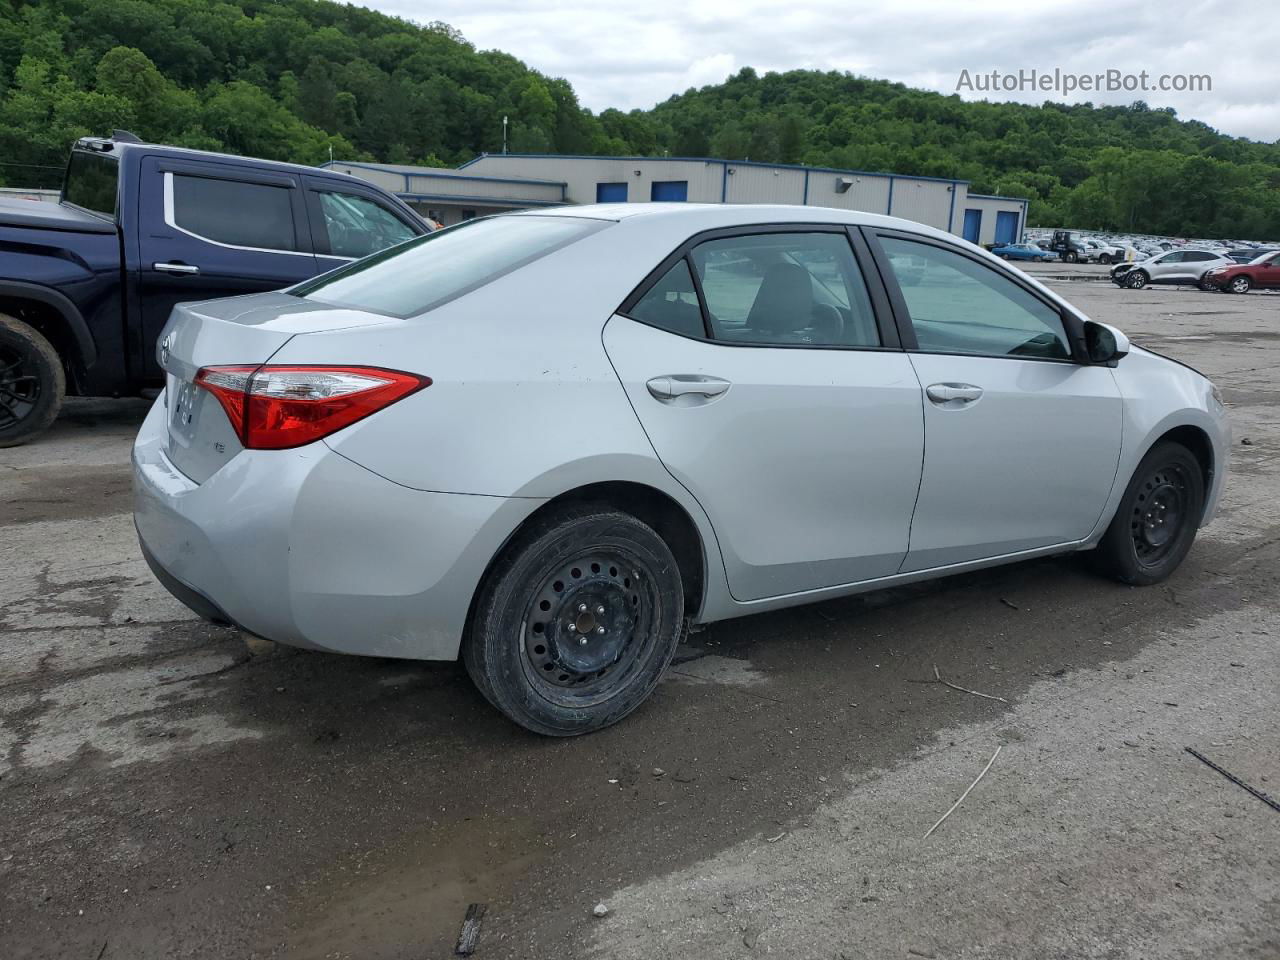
{"type": "Point", "coordinates": [549, 442]}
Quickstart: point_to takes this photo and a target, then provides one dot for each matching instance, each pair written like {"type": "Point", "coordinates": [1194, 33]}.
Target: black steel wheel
{"type": "Point", "coordinates": [1156, 521]}
{"type": "Point", "coordinates": [577, 621]}
{"type": "Point", "coordinates": [32, 382]}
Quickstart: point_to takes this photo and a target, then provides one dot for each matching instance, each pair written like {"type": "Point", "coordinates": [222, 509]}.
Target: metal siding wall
{"type": "Point", "coordinates": [449, 186]}
{"type": "Point", "coordinates": [926, 201]}
{"type": "Point", "coordinates": [868, 194]}
{"type": "Point", "coordinates": [764, 185]}
{"type": "Point", "coordinates": [990, 207]}
{"type": "Point", "coordinates": [583, 173]}
{"type": "Point", "coordinates": [386, 179]}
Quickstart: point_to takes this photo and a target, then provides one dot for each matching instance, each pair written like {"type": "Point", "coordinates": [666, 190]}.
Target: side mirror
{"type": "Point", "coordinates": [1104, 343]}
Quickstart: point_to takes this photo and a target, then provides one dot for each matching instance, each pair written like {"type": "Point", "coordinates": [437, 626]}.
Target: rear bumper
{"type": "Point", "coordinates": [306, 548]}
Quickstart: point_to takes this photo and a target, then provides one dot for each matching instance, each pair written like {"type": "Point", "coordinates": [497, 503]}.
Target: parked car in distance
{"type": "Point", "coordinates": [1022, 251]}
{"type": "Point", "coordinates": [1249, 254]}
{"type": "Point", "coordinates": [1262, 272]}
{"type": "Point", "coordinates": [1173, 267]}
{"type": "Point", "coordinates": [380, 461]}
{"type": "Point", "coordinates": [87, 283]}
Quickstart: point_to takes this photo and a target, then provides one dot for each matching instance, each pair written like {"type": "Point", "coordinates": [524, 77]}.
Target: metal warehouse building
{"type": "Point", "coordinates": [495, 182]}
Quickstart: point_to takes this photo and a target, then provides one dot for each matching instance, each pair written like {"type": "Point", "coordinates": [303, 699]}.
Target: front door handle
{"type": "Point", "coordinates": [187, 268]}
{"type": "Point", "coordinates": [686, 384]}
{"type": "Point", "coordinates": [953, 394]}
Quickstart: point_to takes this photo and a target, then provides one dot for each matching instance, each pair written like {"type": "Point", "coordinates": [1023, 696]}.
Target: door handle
{"type": "Point", "coordinates": [188, 268]}
{"type": "Point", "coordinates": [685, 384]}
{"type": "Point", "coordinates": [953, 394]}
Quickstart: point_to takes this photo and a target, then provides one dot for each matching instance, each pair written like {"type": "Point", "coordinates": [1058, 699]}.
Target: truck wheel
{"type": "Point", "coordinates": [32, 382]}
{"type": "Point", "coordinates": [1105, 259]}
{"type": "Point", "coordinates": [576, 622]}
{"type": "Point", "coordinates": [1070, 256]}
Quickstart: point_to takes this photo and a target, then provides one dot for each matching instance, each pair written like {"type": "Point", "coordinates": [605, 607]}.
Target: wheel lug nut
{"type": "Point", "coordinates": [599, 629]}
{"type": "Point", "coordinates": [600, 610]}
{"type": "Point", "coordinates": [582, 608]}
{"type": "Point", "coordinates": [582, 641]}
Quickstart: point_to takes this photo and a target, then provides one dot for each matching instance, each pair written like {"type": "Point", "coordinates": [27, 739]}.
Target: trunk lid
{"type": "Point", "coordinates": [239, 331]}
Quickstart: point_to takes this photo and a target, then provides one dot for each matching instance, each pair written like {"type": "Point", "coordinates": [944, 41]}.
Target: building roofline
{"type": "Point", "coordinates": [996, 196]}
{"type": "Point", "coordinates": [735, 163]}
{"type": "Point", "coordinates": [407, 171]}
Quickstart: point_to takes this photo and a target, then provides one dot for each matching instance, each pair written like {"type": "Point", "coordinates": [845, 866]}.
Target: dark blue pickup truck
{"type": "Point", "coordinates": [86, 284]}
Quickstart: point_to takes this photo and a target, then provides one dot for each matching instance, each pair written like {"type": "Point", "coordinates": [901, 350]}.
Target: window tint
{"type": "Point", "coordinates": [787, 288]}
{"type": "Point", "coordinates": [91, 182]}
{"type": "Point", "coordinates": [233, 212]}
{"type": "Point", "coordinates": [1201, 255]}
{"type": "Point", "coordinates": [1173, 258]}
{"type": "Point", "coordinates": [357, 226]}
{"type": "Point", "coordinates": [423, 273]}
{"type": "Point", "coordinates": [672, 303]}
{"type": "Point", "coordinates": [960, 306]}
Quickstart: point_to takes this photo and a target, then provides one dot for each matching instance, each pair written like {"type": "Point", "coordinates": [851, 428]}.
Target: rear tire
{"type": "Point", "coordinates": [577, 621]}
{"type": "Point", "coordinates": [32, 382]}
{"type": "Point", "coordinates": [1136, 279]}
{"type": "Point", "coordinates": [1156, 521]}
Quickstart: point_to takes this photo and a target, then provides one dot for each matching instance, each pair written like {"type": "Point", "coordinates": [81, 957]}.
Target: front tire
{"type": "Point", "coordinates": [1157, 519]}
{"type": "Point", "coordinates": [1136, 279]}
{"type": "Point", "coordinates": [577, 621]}
{"type": "Point", "coordinates": [1239, 285]}
{"type": "Point", "coordinates": [1105, 259]}
{"type": "Point", "coordinates": [1071, 256]}
{"type": "Point", "coordinates": [32, 382]}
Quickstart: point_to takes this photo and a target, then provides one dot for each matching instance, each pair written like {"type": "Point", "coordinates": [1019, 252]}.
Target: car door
{"type": "Point", "coordinates": [349, 222]}
{"type": "Point", "coordinates": [1267, 273]}
{"type": "Point", "coordinates": [776, 393]}
{"type": "Point", "coordinates": [1021, 442]}
{"type": "Point", "coordinates": [209, 230]}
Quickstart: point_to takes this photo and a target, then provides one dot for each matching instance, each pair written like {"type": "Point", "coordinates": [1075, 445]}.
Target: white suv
{"type": "Point", "coordinates": [1175, 266]}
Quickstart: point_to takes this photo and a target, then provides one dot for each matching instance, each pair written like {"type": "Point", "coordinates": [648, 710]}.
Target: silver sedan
{"type": "Point", "coordinates": [549, 442]}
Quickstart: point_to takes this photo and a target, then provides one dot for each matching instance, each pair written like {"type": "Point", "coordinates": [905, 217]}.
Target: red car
{"type": "Point", "coordinates": [1262, 272]}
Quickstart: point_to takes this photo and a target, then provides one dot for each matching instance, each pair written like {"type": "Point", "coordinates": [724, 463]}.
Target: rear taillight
{"type": "Point", "coordinates": [276, 407]}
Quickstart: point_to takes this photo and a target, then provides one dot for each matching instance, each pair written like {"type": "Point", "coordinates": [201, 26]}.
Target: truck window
{"type": "Point", "coordinates": [231, 212]}
{"type": "Point", "coordinates": [357, 226]}
{"type": "Point", "coordinates": [91, 182]}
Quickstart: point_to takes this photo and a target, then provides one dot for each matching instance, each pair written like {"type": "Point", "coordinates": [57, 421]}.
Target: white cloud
{"type": "Point", "coordinates": [635, 56]}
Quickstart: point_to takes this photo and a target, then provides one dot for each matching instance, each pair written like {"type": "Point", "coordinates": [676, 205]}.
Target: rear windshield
{"type": "Point", "coordinates": [423, 273]}
{"type": "Point", "coordinates": [91, 182]}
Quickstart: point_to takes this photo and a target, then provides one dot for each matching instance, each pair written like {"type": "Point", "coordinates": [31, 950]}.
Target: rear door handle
{"type": "Point", "coordinates": [953, 394]}
{"type": "Point", "coordinates": [176, 267]}
{"type": "Point", "coordinates": [684, 384]}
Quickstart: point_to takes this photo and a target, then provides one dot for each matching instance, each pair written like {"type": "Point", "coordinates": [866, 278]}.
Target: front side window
{"type": "Point", "coordinates": [92, 181]}
{"type": "Point", "coordinates": [423, 273]}
{"type": "Point", "coordinates": [233, 212]}
{"type": "Point", "coordinates": [356, 226]}
{"type": "Point", "coordinates": [785, 288]}
{"type": "Point", "coordinates": [960, 306]}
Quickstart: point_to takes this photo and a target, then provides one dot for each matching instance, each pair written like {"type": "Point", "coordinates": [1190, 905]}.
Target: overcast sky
{"type": "Point", "coordinates": [626, 56]}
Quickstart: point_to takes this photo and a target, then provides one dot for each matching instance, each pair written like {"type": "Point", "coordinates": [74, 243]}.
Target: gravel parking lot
{"type": "Point", "coordinates": [170, 791]}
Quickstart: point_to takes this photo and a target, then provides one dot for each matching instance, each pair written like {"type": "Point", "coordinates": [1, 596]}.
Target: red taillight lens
{"type": "Point", "coordinates": [275, 407]}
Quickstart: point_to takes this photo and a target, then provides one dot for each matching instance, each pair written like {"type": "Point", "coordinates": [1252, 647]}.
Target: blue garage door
{"type": "Point", "coordinates": [1007, 227]}
{"type": "Point", "coordinates": [611, 192]}
{"type": "Point", "coordinates": [972, 225]}
{"type": "Point", "coordinates": [677, 190]}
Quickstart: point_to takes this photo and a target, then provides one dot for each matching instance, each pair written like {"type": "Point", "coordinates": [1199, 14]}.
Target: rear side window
{"type": "Point", "coordinates": [91, 182]}
{"type": "Point", "coordinates": [234, 212]}
{"type": "Point", "coordinates": [786, 288]}
{"type": "Point", "coordinates": [424, 273]}
{"type": "Point", "coordinates": [357, 226]}
{"type": "Point", "coordinates": [671, 304]}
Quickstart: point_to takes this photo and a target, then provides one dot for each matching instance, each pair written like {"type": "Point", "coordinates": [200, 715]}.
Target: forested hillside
{"type": "Point", "coordinates": [293, 79]}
